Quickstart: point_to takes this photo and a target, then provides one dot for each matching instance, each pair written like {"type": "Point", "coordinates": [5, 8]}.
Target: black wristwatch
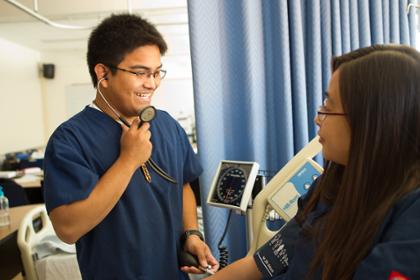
{"type": "Point", "coordinates": [187, 233]}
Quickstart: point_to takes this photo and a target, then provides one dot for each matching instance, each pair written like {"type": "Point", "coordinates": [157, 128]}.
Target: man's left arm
{"type": "Point", "coordinates": [193, 243]}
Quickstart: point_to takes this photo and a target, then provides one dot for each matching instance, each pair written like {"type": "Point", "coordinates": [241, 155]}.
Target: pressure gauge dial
{"type": "Point", "coordinates": [231, 186]}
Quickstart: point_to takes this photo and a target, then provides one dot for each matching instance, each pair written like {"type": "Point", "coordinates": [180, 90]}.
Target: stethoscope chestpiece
{"type": "Point", "coordinates": [147, 114]}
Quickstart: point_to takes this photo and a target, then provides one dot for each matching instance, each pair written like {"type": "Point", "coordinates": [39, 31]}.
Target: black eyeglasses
{"type": "Point", "coordinates": [143, 74]}
{"type": "Point", "coordinates": [322, 113]}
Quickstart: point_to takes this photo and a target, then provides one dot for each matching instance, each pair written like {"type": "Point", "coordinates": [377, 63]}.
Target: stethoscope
{"type": "Point", "coordinates": [147, 114]}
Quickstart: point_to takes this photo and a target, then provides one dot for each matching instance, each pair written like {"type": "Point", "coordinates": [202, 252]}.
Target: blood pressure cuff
{"type": "Point", "coordinates": [273, 257]}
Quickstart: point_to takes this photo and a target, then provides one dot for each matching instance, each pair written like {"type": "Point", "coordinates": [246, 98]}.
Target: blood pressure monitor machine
{"type": "Point", "coordinates": [232, 185]}
{"type": "Point", "coordinates": [232, 188]}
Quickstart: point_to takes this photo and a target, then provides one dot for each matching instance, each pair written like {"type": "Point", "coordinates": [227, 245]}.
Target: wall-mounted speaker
{"type": "Point", "coordinates": [48, 71]}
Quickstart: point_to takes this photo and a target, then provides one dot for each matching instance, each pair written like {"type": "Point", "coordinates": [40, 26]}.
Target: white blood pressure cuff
{"type": "Point", "coordinates": [273, 257]}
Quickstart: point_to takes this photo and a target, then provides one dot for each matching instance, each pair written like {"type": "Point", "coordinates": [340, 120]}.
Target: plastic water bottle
{"type": "Point", "coordinates": [4, 209]}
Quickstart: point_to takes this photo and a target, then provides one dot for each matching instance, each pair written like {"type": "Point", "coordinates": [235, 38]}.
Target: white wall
{"type": "Point", "coordinates": [21, 108]}
{"type": "Point", "coordinates": [32, 107]}
{"type": "Point", "coordinates": [70, 69]}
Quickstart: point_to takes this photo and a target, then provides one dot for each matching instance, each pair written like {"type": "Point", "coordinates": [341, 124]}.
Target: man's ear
{"type": "Point", "coordinates": [101, 72]}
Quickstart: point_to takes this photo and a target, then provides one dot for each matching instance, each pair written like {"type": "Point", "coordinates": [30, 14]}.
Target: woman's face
{"type": "Point", "coordinates": [334, 130]}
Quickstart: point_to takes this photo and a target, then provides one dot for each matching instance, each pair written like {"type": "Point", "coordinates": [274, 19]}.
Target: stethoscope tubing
{"type": "Point", "coordinates": [145, 116]}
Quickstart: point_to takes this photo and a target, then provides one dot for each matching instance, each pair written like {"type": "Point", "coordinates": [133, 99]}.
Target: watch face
{"type": "Point", "coordinates": [231, 185]}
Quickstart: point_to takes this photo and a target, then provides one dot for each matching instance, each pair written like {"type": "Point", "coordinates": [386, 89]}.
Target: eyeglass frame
{"type": "Point", "coordinates": [322, 115]}
{"type": "Point", "coordinates": [140, 74]}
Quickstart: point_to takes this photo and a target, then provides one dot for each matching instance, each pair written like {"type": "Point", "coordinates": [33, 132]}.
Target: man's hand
{"type": "Point", "coordinates": [198, 248]}
{"type": "Point", "coordinates": [136, 147]}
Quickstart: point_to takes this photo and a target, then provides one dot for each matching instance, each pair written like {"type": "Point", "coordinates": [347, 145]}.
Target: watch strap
{"type": "Point", "coordinates": [187, 233]}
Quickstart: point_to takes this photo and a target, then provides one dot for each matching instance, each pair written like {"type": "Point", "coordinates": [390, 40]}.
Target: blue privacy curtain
{"type": "Point", "coordinates": [259, 72]}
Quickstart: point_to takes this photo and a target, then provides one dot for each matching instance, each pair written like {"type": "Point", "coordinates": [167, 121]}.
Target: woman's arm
{"type": "Point", "coordinates": [245, 268]}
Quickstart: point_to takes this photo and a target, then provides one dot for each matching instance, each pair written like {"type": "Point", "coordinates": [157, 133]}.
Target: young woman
{"type": "Point", "coordinates": [361, 219]}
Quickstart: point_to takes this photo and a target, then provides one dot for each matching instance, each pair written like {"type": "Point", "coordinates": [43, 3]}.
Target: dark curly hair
{"type": "Point", "coordinates": [118, 35]}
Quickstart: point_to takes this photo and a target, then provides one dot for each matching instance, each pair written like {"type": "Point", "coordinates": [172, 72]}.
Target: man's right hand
{"type": "Point", "coordinates": [136, 147]}
{"type": "Point", "coordinates": [72, 221]}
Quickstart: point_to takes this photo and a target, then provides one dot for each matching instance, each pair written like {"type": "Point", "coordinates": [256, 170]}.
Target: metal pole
{"type": "Point", "coordinates": [36, 5]}
{"type": "Point", "coordinates": [44, 19]}
{"type": "Point", "coordinates": [129, 7]}
{"type": "Point", "coordinates": [409, 6]}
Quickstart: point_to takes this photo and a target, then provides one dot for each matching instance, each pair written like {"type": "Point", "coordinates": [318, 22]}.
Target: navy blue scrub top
{"type": "Point", "coordinates": [139, 238]}
{"type": "Point", "coordinates": [396, 251]}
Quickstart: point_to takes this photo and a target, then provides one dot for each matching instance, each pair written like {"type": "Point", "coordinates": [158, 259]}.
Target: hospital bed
{"type": "Point", "coordinates": [43, 255]}
{"type": "Point", "coordinates": [281, 193]}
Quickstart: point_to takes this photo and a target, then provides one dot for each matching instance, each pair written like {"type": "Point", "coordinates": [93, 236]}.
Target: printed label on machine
{"type": "Point", "coordinates": [284, 200]}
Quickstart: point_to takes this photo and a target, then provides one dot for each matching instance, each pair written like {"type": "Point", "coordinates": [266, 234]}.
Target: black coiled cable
{"type": "Point", "coordinates": [223, 251]}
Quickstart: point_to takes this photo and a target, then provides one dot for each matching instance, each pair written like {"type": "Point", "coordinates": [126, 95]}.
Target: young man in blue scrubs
{"type": "Point", "coordinates": [128, 218]}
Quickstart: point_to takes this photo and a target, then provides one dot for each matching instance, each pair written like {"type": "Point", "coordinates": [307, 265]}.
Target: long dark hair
{"type": "Point", "coordinates": [380, 92]}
